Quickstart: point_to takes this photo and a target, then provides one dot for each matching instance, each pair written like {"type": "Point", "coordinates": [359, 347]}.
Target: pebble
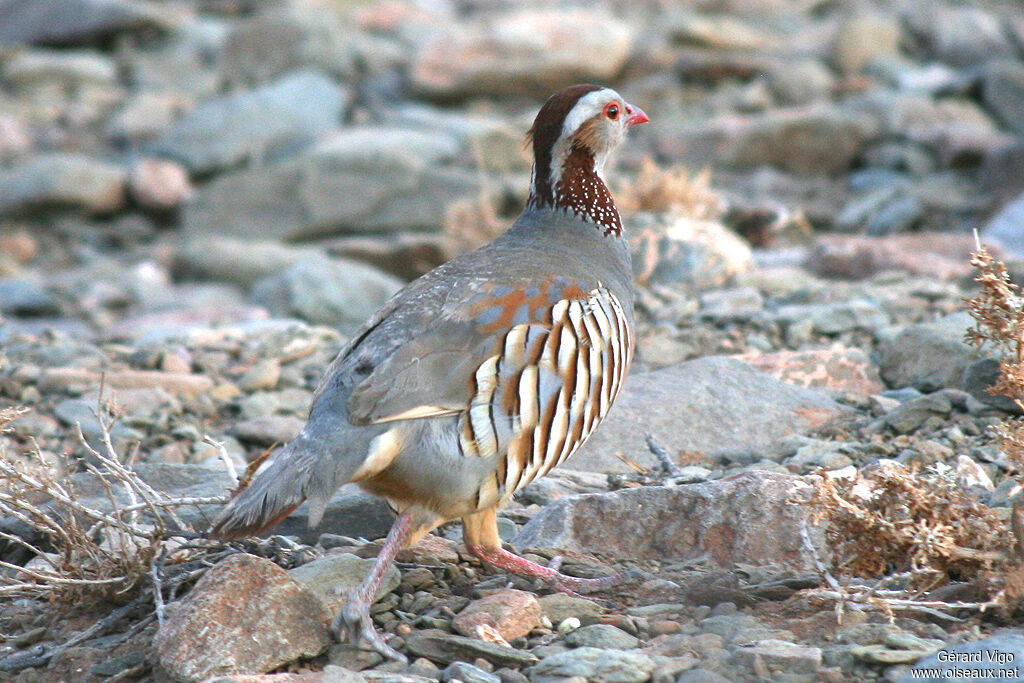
{"type": "Point", "coordinates": [602, 636]}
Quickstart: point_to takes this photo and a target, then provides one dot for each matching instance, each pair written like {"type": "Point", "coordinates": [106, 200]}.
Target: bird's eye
{"type": "Point", "coordinates": [611, 110]}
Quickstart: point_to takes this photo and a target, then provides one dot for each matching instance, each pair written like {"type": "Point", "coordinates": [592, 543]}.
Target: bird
{"type": "Point", "coordinates": [479, 376]}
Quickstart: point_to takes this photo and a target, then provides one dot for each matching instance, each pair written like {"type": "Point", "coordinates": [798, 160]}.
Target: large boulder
{"type": "Point", "coordinates": [753, 518]}
{"type": "Point", "coordinates": [289, 113]}
{"type": "Point", "coordinates": [530, 51]}
{"type": "Point", "coordinates": [717, 406]}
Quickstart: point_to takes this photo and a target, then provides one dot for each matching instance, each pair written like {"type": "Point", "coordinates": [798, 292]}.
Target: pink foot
{"type": "Point", "coordinates": [573, 585]}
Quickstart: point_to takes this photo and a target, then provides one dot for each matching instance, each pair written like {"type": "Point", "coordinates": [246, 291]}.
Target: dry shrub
{"type": "Point", "coordinates": [899, 520]}
{"type": "Point", "coordinates": [672, 189]}
{"type": "Point", "coordinates": [998, 312]}
{"type": "Point", "coordinates": [469, 224]}
{"type": "Point", "coordinates": [81, 552]}
{"type": "Point", "coordinates": [922, 529]}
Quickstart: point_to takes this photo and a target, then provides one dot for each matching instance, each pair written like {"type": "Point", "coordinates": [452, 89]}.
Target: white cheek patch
{"type": "Point", "coordinates": [586, 106]}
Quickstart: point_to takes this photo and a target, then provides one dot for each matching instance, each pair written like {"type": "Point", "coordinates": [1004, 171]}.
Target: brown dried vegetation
{"type": "Point", "coordinates": [82, 551]}
{"type": "Point", "coordinates": [672, 189]}
{"type": "Point", "coordinates": [911, 530]}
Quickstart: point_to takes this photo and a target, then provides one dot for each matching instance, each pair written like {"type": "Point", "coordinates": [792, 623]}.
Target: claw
{"type": "Point", "coordinates": [354, 624]}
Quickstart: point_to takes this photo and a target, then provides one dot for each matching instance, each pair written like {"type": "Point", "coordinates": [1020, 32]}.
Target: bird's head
{"type": "Point", "coordinates": [572, 136]}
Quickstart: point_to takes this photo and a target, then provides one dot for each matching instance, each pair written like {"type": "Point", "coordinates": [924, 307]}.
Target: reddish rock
{"type": "Point", "coordinates": [330, 674]}
{"type": "Point", "coordinates": [171, 382]}
{"type": "Point", "coordinates": [512, 613]}
{"type": "Point", "coordinates": [944, 256]}
{"type": "Point", "coordinates": [159, 184]}
{"type": "Point", "coordinates": [431, 550]}
{"type": "Point", "coordinates": [245, 616]}
{"type": "Point", "coordinates": [525, 52]}
{"type": "Point", "coordinates": [840, 367]}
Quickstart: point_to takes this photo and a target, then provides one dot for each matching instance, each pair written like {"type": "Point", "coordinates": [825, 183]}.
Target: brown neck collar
{"type": "Point", "coordinates": [575, 188]}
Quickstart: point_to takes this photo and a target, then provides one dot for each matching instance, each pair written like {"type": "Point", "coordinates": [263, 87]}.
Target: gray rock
{"type": "Point", "coordinates": [926, 356]}
{"type": "Point", "coordinates": [1002, 89]}
{"type": "Point", "coordinates": [268, 430]}
{"type": "Point", "coordinates": [334, 292]}
{"type": "Point", "coordinates": [959, 36]}
{"type": "Point", "coordinates": [979, 376]}
{"type": "Point", "coordinates": [24, 297]}
{"type": "Point", "coordinates": [333, 577]}
{"type": "Point", "coordinates": [467, 673]}
{"type": "Point", "coordinates": [259, 203]}
{"type": "Point", "coordinates": [731, 304]}
{"type": "Point", "coordinates": [80, 411]}
{"type": "Point", "coordinates": [900, 215]}
{"type": "Point", "coordinates": [701, 676]}
{"type": "Point", "coordinates": [778, 656]}
{"type": "Point", "coordinates": [603, 636]}
{"type": "Point", "coordinates": [801, 81]}
{"type": "Point", "coordinates": [748, 519]}
{"type": "Point", "coordinates": [750, 410]}
{"type": "Point", "coordinates": [862, 37]}
{"type": "Point", "coordinates": [355, 180]}
{"type": "Point", "coordinates": [1002, 653]}
{"type": "Point", "coordinates": [74, 22]}
{"type": "Point", "coordinates": [352, 180]}
{"type": "Point", "coordinates": [535, 52]}
{"type": "Point", "coordinates": [238, 261]}
{"type": "Point", "coordinates": [62, 181]}
{"type": "Point", "coordinates": [272, 120]}
{"type": "Point", "coordinates": [279, 40]}
{"type": "Point", "coordinates": [1006, 228]}
{"type": "Point", "coordinates": [909, 416]}
{"type": "Point", "coordinates": [445, 648]}
{"type": "Point", "coordinates": [834, 318]}
{"type": "Point", "coordinates": [593, 664]}
{"type": "Point", "coordinates": [66, 69]}
{"type": "Point", "coordinates": [819, 140]}
{"type": "Point", "coordinates": [213, 632]}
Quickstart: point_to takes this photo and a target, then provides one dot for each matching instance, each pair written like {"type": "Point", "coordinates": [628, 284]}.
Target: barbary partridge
{"type": "Point", "coordinates": [479, 376]}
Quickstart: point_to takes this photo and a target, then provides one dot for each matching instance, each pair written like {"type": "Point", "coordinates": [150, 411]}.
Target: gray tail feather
{"type": "Point", "coordinates": [298, 473]}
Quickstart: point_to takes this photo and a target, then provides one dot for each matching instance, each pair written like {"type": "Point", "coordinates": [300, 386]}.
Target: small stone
{"type": "Point", "coordinates": [778, 656]}
{"type": "Point", "coordinates": [862, 37]}
{"type": "Point", "coordinates": [881, 654]}
{"type": "Point", "coordinates": [558, 607]}
{"type": "Point", "coordinates": [445, 648]}
{"type": "Point", "coordinates": [468, 673]}
{"type": "Point", "coordinates": [333, 577]}
{"type": "Point", "coordinates": [970, 474]}
{"type": "Point", "coordinates": [269, 429]}
{"type": "Point", "coordinates": [596, 665]}
{"type": "Point", "coordinates": [431, 550]}
{"type": "Point", "coordinates": [663, 627]}
{"type": "Point", "coordinates": [159, 185]}
{"type": "Point", "coordinates": [262, 376]}
{"type": "Point", "coordinates": [602, 636]}
{"type": "Point", "coordinates": [62, 181]}
{"type": "Point", "coordinates": [568, 625]}
{"type": "Point", "coordinates": [513, 613]}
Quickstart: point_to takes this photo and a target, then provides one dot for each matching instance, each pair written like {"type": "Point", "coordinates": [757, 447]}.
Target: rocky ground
{"type": "Point", "coordinates": [200, 200]}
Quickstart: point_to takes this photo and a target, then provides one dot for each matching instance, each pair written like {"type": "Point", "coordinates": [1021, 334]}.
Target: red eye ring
{"type": "Point", "coordinates": [611, 110]}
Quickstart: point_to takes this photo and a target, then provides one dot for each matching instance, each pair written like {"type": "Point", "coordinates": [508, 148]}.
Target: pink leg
{"type": "Point", "coordinates": [510, 562]}
{"type": "Point", "coordinates": [353, 623]}
{"type": "Point", "coordinates": [480, 532]}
